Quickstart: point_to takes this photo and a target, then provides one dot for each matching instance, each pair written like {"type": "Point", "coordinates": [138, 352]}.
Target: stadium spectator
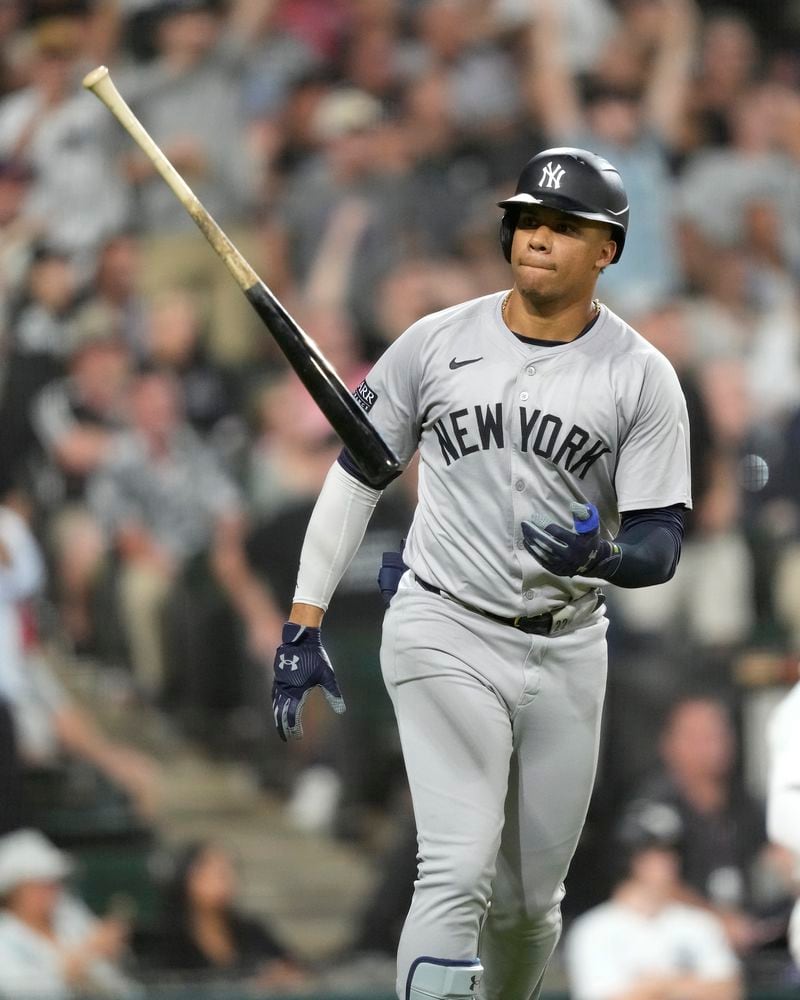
{"type": "Point", "coordinates": [635, 124]}
{"type": "Point", "coordinates": [208, 938]}
{"type": "Point", "coordinates": [730, 59]}
{"type": "Point", "coordinates": [446, 169]}
{"type": "Point", "coordinates": [451, 35]}
{"type": "Point", "coordinates": [51, 731]}
{"type": "Point", "coordinates": [42, 315]}
{"type": "Point", "coordinates": [174, 343]}
{"type": "Point", "coordinates": [21, 575]}
{"type": "Point", "coordinates": [190, 101]}
{"type": "Point", "coordinates": [285, 142]}
{"type": "Point", "coordinates": [67, 138]}
{"type": "Point", "coordinates": [10, 772]}
{"type": "Point", "coordinates": [320, 24]}
{"type": "Point", "coordinates": [642, 944]}
{"type": "Point", "coordinates": [41, 329]}
{"type": "Point", "coordinates": [51, 946]}
{"type": "Point", "coordinates": [721, 828]}
{"type": "Point", "coordinates": [75, 418]}
{"type": "Point", "coordinates": [11, 19]}
{"type": "Point", "coordinates": [175, 521]}
{"type": "Point", "coordinates": [115, 289]}
{"type": "Point", "coordinates": [590, 28]}
{"type": "Point", "coordinates": [710, 598]}
{"type": "Point", "coordinates": [17, 232]}
{"type": "Point", "coordinates": [350, 169]}
{"type": "Point", "coordinates": [722, 186]}
{"type": "Point", "coordinates": [274, 61]}
{"type": "Point", "coordinates": [372, 59]}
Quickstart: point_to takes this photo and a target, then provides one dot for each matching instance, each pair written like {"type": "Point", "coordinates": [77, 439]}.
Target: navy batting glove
{"type": "Point", "coordinates": [301, 664]}
{"type": "Point", "coordinates": [581, 552]}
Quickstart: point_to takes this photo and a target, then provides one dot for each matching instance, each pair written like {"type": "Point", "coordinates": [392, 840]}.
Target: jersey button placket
{"type": "Point", "coordinates": [520, 501]}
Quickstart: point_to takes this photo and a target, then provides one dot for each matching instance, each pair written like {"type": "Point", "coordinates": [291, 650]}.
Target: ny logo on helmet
{"type": "Point", "coordinates": [551, 176]}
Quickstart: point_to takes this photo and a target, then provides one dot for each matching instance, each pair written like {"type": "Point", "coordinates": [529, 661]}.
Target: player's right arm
{"type": "Point", "coordinates": [334, 534]}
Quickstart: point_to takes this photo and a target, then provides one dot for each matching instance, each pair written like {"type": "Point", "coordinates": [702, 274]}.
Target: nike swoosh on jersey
{"type": "Point", "coordinates": [460, 364]}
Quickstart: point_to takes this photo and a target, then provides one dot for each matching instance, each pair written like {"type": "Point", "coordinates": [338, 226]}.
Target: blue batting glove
{"type": "Point", "coordinates": [568, 553]}
{"type": "Point", "coordinates": [301, 664]}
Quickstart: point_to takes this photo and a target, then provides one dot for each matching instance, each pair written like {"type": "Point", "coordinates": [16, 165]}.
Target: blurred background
{"type": "Point", "coordinates": [158, 463]}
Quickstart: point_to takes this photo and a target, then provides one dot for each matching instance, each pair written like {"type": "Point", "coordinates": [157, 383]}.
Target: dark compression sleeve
{"type": "Point", "coordinates": [647, 548]}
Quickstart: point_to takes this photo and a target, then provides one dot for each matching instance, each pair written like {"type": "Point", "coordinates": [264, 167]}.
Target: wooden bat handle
{"type": "Point", "coordinates": [102, 86]}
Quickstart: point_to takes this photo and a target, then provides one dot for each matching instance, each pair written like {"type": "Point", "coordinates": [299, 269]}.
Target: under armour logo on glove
{"type": "Point", "coordinates": [581, 552]}
{"type": "Point", "coordinates": [286, 661]}
{"type": "Point", "coordinates": [301, 664]}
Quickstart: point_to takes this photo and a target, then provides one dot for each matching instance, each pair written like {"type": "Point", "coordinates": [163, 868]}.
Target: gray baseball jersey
{"type": "Point", "coordinates": [506, 427]}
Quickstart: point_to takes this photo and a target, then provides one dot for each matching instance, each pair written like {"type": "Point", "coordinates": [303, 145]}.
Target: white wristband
{"type": "Point", "coordinates": [334, 533]}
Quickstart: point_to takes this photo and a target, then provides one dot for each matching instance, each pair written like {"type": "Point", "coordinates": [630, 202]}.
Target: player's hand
{"type": "Point", "coordinates": [568, 553]}
{"type": "Point", "coordinates": [301, 664]}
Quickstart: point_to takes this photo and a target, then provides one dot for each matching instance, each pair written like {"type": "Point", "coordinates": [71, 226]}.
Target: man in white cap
{"type": "Point", "coordinates": [51, 946]}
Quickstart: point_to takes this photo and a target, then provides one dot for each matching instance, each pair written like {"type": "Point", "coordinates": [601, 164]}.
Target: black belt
{"type": "Point", "coordinates": [534, 625]}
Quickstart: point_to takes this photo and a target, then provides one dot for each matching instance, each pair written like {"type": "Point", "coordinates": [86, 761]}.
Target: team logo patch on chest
{"type": "Point", "coordinates": [479, 428]}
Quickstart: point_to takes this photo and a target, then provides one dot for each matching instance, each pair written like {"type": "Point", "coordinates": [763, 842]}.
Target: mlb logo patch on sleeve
{"type": "Point", "coordinates": [365, 396]}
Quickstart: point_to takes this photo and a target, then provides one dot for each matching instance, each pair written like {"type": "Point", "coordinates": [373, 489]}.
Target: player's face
{"type": "Point", "coordinates": [556, 256]}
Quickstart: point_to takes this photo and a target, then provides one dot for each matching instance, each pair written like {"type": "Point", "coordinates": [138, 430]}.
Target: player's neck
{"type": "Point", "coordinates": [543, 321]}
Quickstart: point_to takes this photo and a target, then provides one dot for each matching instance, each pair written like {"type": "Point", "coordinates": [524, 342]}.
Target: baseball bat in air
{"type": "Point", "coordinates": [376, 461]}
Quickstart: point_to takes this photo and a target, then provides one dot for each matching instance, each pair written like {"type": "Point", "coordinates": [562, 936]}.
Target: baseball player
{"type": "Point", "coordinates": [783, 791]}
{"type": "Point", "coordinates": [554, 456]}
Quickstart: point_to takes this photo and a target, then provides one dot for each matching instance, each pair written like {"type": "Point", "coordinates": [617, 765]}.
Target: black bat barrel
{"type": "Point", "coordinates": [375, 459]}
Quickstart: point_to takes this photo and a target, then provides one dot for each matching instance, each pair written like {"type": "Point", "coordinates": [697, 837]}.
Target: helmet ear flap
{"type": "Point", "coordinates": [507, 226]}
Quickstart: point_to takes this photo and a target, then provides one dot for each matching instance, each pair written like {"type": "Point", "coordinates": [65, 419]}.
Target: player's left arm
{"type": "Point", "coordinates": [644, 553]}
{"type": "Point", "coordinates": [653, 487]}
{"type": "Point", "coordinates": [646, 550]}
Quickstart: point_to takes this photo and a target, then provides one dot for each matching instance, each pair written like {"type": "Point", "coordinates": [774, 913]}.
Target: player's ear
{"type": "Point", "coordinates": [606, 254]}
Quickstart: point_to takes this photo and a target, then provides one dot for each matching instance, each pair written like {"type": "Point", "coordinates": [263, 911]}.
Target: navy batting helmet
{"type": "Point", "coordinates": [574, 181]}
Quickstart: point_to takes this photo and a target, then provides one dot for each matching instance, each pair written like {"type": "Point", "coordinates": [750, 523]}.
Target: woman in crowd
{"type": "Point", "coordinates": [205, 933]}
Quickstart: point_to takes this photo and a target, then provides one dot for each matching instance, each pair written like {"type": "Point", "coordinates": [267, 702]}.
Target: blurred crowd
{"type": "Point", "coordinates": [158, 459]}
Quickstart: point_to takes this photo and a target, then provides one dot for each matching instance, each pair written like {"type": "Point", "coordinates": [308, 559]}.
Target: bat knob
{"type": "Point", "coordinates": [93, 77]}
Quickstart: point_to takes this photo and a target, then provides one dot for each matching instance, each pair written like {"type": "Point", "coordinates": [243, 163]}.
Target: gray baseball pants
{"type": "Point", "coordinates": [500, 733]}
